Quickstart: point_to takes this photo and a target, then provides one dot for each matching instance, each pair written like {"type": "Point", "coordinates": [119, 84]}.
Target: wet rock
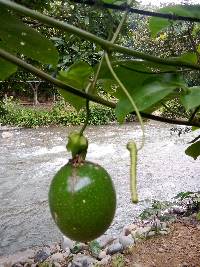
{"type": "Point", "coordinates": [67, 243]}
{"type": "Point", "coordinates": [17, 265]}
{"type": "Point", "coordinates": [126, 241]}
{"type": "Point", "coordinates": [82, 261]}
{"type": "Point", "coordinates": [105, 260]}
{"type": "Point", "coordinates": [156, 224]}
{"type": "Point", "coordinates": [141, 232]}
{"type": "Point", "coordinates": [163, 232]}
{"type": "Point", "coordinates": [41, 256]}
{"type": "Point", "coordinates": [151, 233]}
{"type": "Point", "coordinates": [163, 225]}
{"type": "Point", "coordinates": [115, 248]}
{"type": "Point", "coordinates": [177, 210]}
{"type": "Point", "coordinates": [67, 253]}
{"type": "Point", "coordinates": [55, 248]}
{"type": "Point", "coordinates": [128, 229]}
{"type": "Point", "coordinates": [57, 257]}
{"type": "Point", "coordinates": [105, 240]}
{"type": "Point", "coordinates": [184, 264]}
{"type": "Point", "coordinates": [102, 254]}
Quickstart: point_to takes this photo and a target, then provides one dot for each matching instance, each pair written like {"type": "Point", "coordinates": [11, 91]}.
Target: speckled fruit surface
{"type": "Point", "coordinates": [82, 200]}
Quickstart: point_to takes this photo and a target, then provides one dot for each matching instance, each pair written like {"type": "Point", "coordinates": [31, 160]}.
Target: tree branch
{"type": "Point", "coordinates": [125, 7]}
{"type": "Point", "coordinates": [194, 140]}
{"type": "Point", "coordinates": [106, 45]}
{"type": "Point", "coordinates": [194, 113]}
{"type": "Point", "coordinates": [44, 76]}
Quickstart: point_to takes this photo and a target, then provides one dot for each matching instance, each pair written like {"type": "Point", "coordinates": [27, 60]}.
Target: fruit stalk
{"type": "Point", "coordinates": [131, 146]}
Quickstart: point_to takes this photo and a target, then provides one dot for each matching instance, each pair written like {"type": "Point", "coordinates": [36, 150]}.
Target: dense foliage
{"type": "Point", "coordinates": [13, 114]}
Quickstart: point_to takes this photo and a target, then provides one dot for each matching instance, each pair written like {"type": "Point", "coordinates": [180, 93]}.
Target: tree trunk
{"type": "Point", "coordinates": [34, 87]}
{"type": "Point", "coordinates": [35, 97]}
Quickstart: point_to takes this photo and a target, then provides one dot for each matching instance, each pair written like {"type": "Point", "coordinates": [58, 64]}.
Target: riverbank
{"type": "Point", "coordinates": [58, 114]}
{"type": "Point", "coordinates": [156, 241]}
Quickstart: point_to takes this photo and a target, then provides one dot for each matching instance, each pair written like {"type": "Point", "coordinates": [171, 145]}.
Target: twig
{"type": "Point", "coordinates": [126, 7]}
{"type": "Point", "coordinates": [194, 140]}
{"type": "Point", "coordinates": [194, 113]}
{"type": "Point", "coordinates": [105, 44]}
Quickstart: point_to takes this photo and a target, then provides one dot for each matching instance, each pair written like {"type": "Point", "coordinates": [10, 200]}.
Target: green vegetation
{"type": "Point", "coordinates": [12, 113]}
{"type": "Point", "coordinates": [183, 204]}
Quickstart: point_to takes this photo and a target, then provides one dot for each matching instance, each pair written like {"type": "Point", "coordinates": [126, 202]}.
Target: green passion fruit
{"type": "Point", "coordinates": [82, 200]}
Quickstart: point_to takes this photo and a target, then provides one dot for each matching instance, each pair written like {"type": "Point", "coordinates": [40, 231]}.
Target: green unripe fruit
{"type": "Point", "coordinates": [77, 144]}
{"type": "Point", "coordinates": [82, 200]}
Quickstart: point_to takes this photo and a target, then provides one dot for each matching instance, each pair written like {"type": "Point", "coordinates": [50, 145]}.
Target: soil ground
{"type": "Point", "coordinates": [180, 248]}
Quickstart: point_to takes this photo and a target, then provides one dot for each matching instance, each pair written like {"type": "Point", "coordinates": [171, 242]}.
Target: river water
{"type": "Point", "coordinates": [30, 157]}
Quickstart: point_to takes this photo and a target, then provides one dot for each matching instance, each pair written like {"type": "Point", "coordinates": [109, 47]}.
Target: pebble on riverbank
{"type": "Point", "coordinates": [98, 252]}
{"type": "Point", "coordinates": [72, 254]}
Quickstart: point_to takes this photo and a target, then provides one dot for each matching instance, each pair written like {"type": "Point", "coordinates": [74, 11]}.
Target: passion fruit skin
{"type": "Point", "coordinates": [82, 200]}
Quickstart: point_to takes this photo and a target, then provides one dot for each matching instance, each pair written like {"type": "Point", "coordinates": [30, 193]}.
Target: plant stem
{"type": "Point", "coordinates": [44, 76]}
{"type": "Point", "coordinates": [128, 96]}
{"type": "Point", "coordinates": [87, 117]}
{"type": "Point", "coordinates": [106, 45]}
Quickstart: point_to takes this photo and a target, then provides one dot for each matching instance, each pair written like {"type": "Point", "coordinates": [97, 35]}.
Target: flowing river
{"type": "Point", "coordinates": [30, 157]}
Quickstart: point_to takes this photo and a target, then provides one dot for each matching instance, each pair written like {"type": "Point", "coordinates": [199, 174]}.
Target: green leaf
{"type": "Point", "coordinates": [184, 195]}
{"type": "Point", "coordinates": [76, 101]}
{"type": "Point", "coordinates": [194, 128]}
{"type": "Point", "coordinates": [132, 73]}
{"type": "Point", "coordinates": [146, 82]}
{"type": "Point", "coordinates": [144, 98]}
{"type": "Point", "coordinates": [145, 67]}
{"type": "Point", "coordinates": [198, 216]}
{"type": "Point", "coordinates": [198, 48]}
{"type": "Point", "coordinates": [6, 69]}
{"type": "Point", "coordinates": [108, 86]}
{"type": "Point", "coordinates": [95, 248]}
{"type": "Point", "coordinates": [189, 58]}
{"type": "Point", "coordinates": [19, 38]}
{"type": "Point", "coordinates": [193, 150]}
{"type": "Point", "coordinates": [157, 24]}
{"type": "Point", "coordinates": [191, 99]}
{"type": "Point", "coordinates": [142, 67]}
{"type": "Point", "coordinates": [77, 76]}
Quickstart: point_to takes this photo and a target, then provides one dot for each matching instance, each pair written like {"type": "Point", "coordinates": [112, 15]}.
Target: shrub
{"type": "Point", "coordinates": [12, 113]}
